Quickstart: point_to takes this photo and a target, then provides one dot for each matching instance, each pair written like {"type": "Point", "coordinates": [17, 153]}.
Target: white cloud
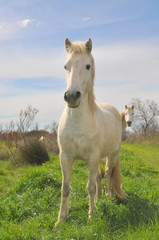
{"type": "Point", "coordinates": [127, 71]}
{"type": "Point", "coordinates": [39, 24]}
{"type": "Point", "coordinates": [22, 64]}
{"type": "Point", "coordinates": [10, 30]}
{"type": "Point", "coordinates": [120, 95]}
{"type": "Point", "coordinates": [3, 87]}
{"type": "Point", "coordinates": [44, 101]}
{"type": "Point", "coordinates": [25, 22]}
{"type": "Point", "coordinates": [129, 62]}
{"type": "Point", "coordinates": [7, 30]}
{"type": "Point", "coordinates": [118, 63]}
{"type": "Point", "coordinates": [86, 18]}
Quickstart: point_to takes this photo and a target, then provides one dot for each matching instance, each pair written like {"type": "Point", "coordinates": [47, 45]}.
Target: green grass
{"type": "Point", "coordinates": [149, 153]}
{"type": "Point", "coordinates": [30, 198]}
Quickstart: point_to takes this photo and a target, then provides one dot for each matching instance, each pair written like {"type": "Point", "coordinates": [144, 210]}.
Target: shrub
{"type": "Point", "coordinates": [34, 152]}
{"type": "Point", "coordinates": [4, 154]}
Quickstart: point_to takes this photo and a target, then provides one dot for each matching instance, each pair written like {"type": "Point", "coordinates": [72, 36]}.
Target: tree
{"type": "Point", "coordinates": [26, 119]}
{"type": "Point", "coordinates": [146, 114]}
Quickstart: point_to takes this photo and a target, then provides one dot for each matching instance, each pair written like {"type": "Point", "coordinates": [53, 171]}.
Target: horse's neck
{"type": "Point", "coordinates": [83, 113]}
{"type": "Point", "coordinates": [123, 119]}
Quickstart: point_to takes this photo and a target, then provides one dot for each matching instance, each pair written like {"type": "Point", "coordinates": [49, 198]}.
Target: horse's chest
{"type": "Point", "coordinates": [76, 143]}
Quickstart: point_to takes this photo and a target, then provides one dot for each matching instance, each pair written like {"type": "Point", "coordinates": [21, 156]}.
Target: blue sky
{"type": "Point", "coordinates": [125, 37]}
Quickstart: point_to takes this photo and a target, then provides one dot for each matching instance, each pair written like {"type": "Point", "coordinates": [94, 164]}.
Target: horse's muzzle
{"type": "Point", "coordinates": [129, 123]}
{"type": "Point", "coordinates": [72, 98]}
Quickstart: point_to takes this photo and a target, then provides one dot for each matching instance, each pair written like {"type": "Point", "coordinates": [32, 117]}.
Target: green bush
{"type": "Point", "coordinates": [34, 152]}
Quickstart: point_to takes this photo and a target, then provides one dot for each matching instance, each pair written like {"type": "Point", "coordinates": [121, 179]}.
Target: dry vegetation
{"type": "Point", "coordinates": [21, 141]}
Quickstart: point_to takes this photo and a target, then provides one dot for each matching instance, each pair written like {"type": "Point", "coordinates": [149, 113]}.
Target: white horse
{"type": "Point", "coordinates": [127, 119]}
{"type": "Point", "coordinates": [127, 116]}
{"type": "Point", "coordinates": [87, 130]}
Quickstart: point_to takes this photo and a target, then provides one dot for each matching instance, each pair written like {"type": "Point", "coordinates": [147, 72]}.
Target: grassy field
{"type": "Point", "coordinates": [30, 198]}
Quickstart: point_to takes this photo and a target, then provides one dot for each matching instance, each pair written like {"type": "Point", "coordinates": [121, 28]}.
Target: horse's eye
{"type": "Point", "coordinates": [88, 66]}
{"type": "Point", "coordinates": [65, 67]}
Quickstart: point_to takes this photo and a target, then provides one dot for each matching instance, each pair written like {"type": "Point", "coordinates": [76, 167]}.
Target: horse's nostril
{"type": "Point", "coordinates": [65, 96]}
{"type": "Point", "coordinates": [77, 95]}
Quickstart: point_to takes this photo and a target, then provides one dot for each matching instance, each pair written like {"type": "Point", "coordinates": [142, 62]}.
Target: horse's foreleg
{"type": "Point", "coordinates": [66, 166]}
{"type": "Point", "coordinates": [92, 187]}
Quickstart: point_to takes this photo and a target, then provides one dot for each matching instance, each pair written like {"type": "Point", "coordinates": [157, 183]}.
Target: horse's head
{"type": "Point", "coordinates": [80, 71]}
{"type": "Point", "coordinates": [129, 112]}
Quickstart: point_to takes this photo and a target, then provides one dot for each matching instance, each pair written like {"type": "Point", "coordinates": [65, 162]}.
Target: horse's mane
{"type": "Point", "coordinates": [79, 48]}
{"type": "Point", "coordinates": [122, 114]}
{"type": "Point", "coordinates": [91, 96]}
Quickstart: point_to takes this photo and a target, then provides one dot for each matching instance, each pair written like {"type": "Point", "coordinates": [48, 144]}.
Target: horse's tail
{"type": "Point", "coordinates": [116, 180]}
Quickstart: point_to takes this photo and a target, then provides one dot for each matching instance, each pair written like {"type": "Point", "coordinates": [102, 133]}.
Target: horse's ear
{"type": "Point", "coordinates": [126, 106]}
{"type": "Point", "coordinates": [67, 45]}
{"type": "Point", "coordinates": [88, 45]}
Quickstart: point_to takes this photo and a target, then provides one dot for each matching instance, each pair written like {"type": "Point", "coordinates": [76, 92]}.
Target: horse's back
{"type": "Point", "coordinates": [109, 110]}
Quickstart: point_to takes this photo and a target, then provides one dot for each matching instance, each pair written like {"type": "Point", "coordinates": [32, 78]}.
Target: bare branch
{"type": "Point", "coordinates": [146, 113]}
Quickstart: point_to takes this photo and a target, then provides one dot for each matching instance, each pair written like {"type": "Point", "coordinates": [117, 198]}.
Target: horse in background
{"type": "Point", "coordinates": [127, 119]}
{"type": "Point", "coordinates": [127, 116]}
{"type": "Point", "coordinates": [88, 130]}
